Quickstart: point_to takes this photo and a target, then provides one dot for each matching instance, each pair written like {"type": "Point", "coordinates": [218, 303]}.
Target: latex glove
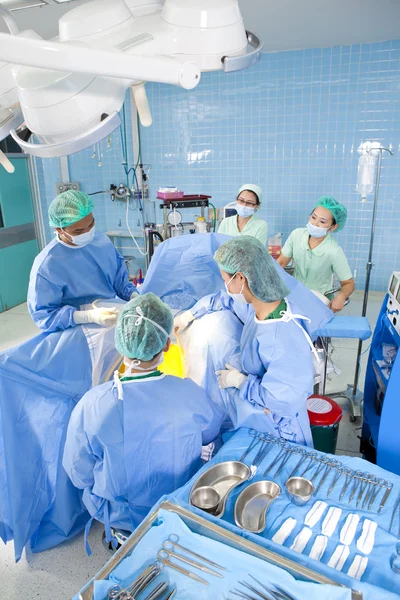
{"type": "Point", "coordinates": [182, 321]}
{"type": "Point", "coordinates": [230, 378]}
{"type": "Point", "coordinates": [134, 295]}
{"type": "Point", "coordinates": [101, 316]}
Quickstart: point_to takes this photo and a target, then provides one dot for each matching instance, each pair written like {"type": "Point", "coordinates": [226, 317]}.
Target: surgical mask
{"type": "Point", "coordinates": [317, 232]}
{"type": "Point", "coordinates": [83, 239]}
{"type": "Point", "coordinates": [236, 297]}
{"type": "Point", "coordinates": [244, 211]}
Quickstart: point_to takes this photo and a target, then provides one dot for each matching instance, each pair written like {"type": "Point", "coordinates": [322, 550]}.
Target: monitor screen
{"type": "Point", "coordinates": [398, 295]}
{"type": "Point", "coordinates": [393, 284]}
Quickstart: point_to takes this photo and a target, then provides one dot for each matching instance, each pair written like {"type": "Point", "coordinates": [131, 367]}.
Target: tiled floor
{"type": "Point", "coordinates": [61, 572]}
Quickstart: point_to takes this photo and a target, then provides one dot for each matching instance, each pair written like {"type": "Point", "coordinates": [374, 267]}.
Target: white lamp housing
{"type": "Point", "coordinates": [71, 90]}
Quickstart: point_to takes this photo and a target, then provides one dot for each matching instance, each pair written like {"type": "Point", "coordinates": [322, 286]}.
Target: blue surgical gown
{"type": "Point", "coordinates": [64, 278]}
{"type": "Point", "coordinates": [277, 358]}
{"type": "Point", "coordinates": [126, 454]}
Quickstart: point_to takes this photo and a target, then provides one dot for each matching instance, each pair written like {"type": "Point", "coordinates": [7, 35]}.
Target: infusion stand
{"type": "Point", "coordinates": [354, 397]}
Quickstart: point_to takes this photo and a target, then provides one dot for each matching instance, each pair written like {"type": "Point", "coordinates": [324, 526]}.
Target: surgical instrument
{"type": "Point", "coordinates": [395, 560]}
{"type": "Point", "coordinates": [170, 595]}
{"type": "Point", "coordinates": [254, 442]}
{"type": "Point", "coordinates": [167, 563]}
{"type": "Point", "coordinates": [136, 587]}
{"type": "Point", "coordinates": [158, 591]}
{"type": "Point", "coordinates": [172, 542]}
{"type": "Point", "coordinates": [167, 554]}
{"type": "Point", "coordinates": [385, 496]}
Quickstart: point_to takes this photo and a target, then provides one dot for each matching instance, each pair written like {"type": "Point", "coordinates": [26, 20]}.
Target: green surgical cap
{"type": "Point", "coordinates": [69, 207]}
{"type": "Point", "coordinates": [251, 187]}
{"type": "Point", "coordinates": [136, 336]}
{"type": "Point", "coordinates": [247, 255]}
{"type": "Point", "coordinates": [338, 211]}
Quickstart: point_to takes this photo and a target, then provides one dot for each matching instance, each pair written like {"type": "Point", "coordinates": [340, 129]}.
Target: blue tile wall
{"type": "Point", "coordinates": [291, 124]}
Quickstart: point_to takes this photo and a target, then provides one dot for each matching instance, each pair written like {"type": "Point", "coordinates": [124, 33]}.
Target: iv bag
{"type": "Point", "coordinates": [366, 175]}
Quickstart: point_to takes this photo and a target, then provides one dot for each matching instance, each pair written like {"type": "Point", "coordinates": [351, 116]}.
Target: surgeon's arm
{"type": "Point", "coordinates": [122, 286]}
{"type": "Point", "coordinates": [45, 306]}
{"type": "Point", "coordinates": [78, 460]}
{"type": "Point", "coordinates": [219, 301]}
{"type": "Point", "coordinates": [285, 386]}
{"type": "Point", "coordinates": [214, 423]}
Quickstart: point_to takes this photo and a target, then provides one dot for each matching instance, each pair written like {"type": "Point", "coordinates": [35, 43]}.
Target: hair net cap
{"type": "Point", "coordinates": [338, 211]}
{"type": "Point", "coordinates": [252, 187]}
{"type": "Point", "coordinates": [247, 255]}
{"type": "Point", "coordinates": [137, 336]}
{"type": "Point", "coordinates": [69, 207]}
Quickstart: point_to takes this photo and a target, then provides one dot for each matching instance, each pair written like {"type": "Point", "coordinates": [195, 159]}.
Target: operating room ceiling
{"type": "Point", "coordinates": [283, 25]}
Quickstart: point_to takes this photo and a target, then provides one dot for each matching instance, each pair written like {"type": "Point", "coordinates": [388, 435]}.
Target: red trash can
{"type": "Point", "coordinates": [325, 415]}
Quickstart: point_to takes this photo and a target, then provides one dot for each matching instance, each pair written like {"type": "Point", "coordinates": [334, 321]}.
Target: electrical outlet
{"type": "Point", "coordinates": [64, 187]}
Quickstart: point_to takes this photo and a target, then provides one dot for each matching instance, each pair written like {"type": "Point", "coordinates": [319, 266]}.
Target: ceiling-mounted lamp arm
{"type": "Point", "coordinates": [9, 20]}
{"type": "Point", "coordinates": [81, 59]}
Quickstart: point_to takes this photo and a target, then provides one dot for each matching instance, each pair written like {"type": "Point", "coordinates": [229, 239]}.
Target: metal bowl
{"type": "Point", "coordinates": [223, 477]}
{"type": "Point", "coordinates": [207, 498]}
{"type": "Point", "coordinates": [300, 490]}
{"type": "Point", "coordinates": [252, 505]}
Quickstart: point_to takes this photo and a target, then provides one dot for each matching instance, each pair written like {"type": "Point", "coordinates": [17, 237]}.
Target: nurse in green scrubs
{"type": "Point", "coordinates": [248, 201]}
{"type": "Point", "coordinates": [317, 255]}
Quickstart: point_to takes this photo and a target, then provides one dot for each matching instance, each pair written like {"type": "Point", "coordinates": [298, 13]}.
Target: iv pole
{"type": "Point", "coordinates": [355, 401]}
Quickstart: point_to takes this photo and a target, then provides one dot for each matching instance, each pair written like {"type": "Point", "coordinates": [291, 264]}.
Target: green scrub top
{"type": "Point", "coordinates": [255, 227]}
{"type": "Point", "coordinates": [315, 267]}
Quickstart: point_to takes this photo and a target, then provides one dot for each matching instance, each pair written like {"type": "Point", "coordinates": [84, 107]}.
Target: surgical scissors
{"type": "Point", "coordinates": [167, 554]}
{"type": "Point", "coordinates": [172, 542]}
{"type": "Point", "coordinates": [166, 563]}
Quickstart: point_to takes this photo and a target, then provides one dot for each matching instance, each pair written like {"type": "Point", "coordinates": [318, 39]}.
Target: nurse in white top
{"type": "Point", "coordinates": [248, 202]}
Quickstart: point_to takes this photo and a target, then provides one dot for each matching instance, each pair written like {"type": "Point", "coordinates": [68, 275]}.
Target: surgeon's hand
{"type": "Point", "coordinates": [134, 295]}
{"type": "Point", "coordinates": [101, 316]}
{"type": "Point", "coordinates": [230, 377]}
{"type": "Point", "coordinates": [182, 321]}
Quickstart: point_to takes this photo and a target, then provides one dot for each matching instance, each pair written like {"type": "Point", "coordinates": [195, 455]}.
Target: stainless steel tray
{"type": "Point", "coordinates": [204, 527]}
{"type": "Point", "coordinates": [252, 505]}
{"type": "Point", "coordinates": [224, 477]}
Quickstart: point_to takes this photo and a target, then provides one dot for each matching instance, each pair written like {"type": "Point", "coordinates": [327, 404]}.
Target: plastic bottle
{"type": "Point", "coordinates": [201, 225]}
{"type": "Point", "coordinates": [366, 175]}
{"type": "Point", "coordinates": [275, 245]}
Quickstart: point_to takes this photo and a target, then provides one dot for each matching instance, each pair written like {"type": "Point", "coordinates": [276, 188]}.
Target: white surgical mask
{"type": "Point", "coordinates": [83, 239]}
{"type": "Point", "coordinates": [135, 364]}
{"type": "Point", "coordinates": [244, 211]}
{"type": "Point", "coordinates": [236, 297]}
{"type": "Point", "coordinates": [317, 232]}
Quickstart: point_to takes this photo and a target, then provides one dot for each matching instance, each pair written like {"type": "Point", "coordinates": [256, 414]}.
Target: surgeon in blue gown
{"type": "Point", "coordinates": [75, 268]}
{"type": "Point", "coordinates": [276, 350]}
{"type": "Point", "coordinates": [135, 439]}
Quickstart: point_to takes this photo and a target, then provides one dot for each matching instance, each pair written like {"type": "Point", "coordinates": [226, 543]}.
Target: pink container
{"type": "Point", "coordinates": [170, 195]}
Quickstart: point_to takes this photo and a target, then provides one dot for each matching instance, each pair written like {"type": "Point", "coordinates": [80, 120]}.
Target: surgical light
{"type": "Point", "coordinates": [71, 90]}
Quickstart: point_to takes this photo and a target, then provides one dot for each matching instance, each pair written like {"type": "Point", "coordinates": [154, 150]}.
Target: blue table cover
{"type": "Point", "coordinates": [346, 327]}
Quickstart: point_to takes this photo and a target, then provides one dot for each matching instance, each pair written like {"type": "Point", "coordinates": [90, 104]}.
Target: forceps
{"type": "Point", "coordinates": [172, 542]}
